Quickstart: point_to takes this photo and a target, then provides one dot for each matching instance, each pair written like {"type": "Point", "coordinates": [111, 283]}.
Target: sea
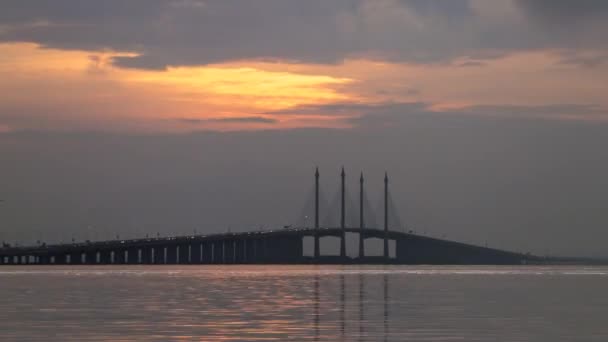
{"type": "Point", "coordinates": [303, 303]}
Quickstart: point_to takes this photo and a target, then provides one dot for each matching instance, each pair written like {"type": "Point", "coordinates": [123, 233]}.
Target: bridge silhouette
{"type": "Point", "coordinates": [279, 246]}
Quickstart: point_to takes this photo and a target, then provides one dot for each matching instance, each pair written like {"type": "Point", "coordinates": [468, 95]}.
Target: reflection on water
{"type": "Point", "coordinates": [318, 303]}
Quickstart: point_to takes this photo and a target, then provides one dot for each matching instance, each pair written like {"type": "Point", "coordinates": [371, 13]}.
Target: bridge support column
{"type": "Point", "coordinates": [343, 217]}
{"type": "Point", "coordinates": [119, 256]}
{"type": "Point", "coordinates": [159, 255]}
{"type": "Point", "coordinates": [386, 256]}
{"type": "Point", "coordinates": [240, 251]}
{"type": "Point", "coordinates": [172, 255]}
{"type": "Point", "coordinates": [44, 260]}
{"type": "Point", "coordinates": [105, 257]}
{"type": "Point", "coordinates": [75, 259]}
{"type": "Point", "coordinates": [262, 251]}
{"type": "Point", "coordinates": [184, 254]}
{"type": "Point", "coordinates": [132, 256]}
{"type": "Point", "coordinates": [90, 258]}
{"type": "Point", "coordinates": [195, 253]}
{"type": "Point", "coordinates": [316, 237]}
{"type": "Point", "coordinates": [255, 251]}
{"type": "Point", "coordinates": [207, 252]}
{"type": "Point", "coordinates": [146, 255]}
{"type": "Point", "coordinates": [229, 251]}
{"type": "Point", "coordinates": [218, 252]}
{"type": "Point", "coordinates": [361, 221]}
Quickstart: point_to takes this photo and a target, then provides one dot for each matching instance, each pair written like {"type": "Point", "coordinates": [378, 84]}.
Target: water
{"type": "Point", "coordinates": [303, 303]}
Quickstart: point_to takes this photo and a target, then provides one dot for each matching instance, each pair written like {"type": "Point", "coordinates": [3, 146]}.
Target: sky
{"type": "Point", "coordinates": [144, 116]}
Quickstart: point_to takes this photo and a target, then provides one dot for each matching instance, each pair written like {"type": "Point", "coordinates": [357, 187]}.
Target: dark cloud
{"type": "Point", "coordinates": [541, 111]}
{"type": "Point", "coordinates": [565, 12]}
{"type": "Point", "coordinates": [583, 60]}
{"type": "Point", "coordinates": [389, 113]}
{"type": "Point", "coordinates": [190, 32]}
{"type": "Point", "coordinates": [348, 109]}
{"type": "Point", "coordinates": [456, 9]}
{"type": "Point", "coordinates": [472, 64]}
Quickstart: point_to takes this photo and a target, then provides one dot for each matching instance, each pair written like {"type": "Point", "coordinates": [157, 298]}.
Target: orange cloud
{"type": "Point", "coordinates": [47, 88]}
{"type": "Point", "coordinates": [81, 85]}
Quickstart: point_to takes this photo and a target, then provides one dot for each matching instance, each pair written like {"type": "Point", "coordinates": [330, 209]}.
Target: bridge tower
{"type": "Point", "coordinates": [386, 215]}
{"type": "Point", "coordinates": [361, 219]}
{"type": "Point", "coordinates": [343, 216]}
{"type": "Point", "coordinates": [317, 253]}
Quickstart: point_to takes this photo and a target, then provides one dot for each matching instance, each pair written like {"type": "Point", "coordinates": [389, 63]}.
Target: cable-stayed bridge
{"type": "Point", "coordinates": [318, 219]}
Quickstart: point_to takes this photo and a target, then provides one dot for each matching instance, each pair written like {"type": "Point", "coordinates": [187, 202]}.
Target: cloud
{"type": "Point", "coordinates": [353, 110]}
{"type": "Point", "coordinates": [472, 64]}
{"type": "Point", "coordinates": [237, 119]}
{"type": "Point", "coordinates": [565, 12]}
{"type": "Point", "coordinates": [584, 60]}
{"type": "Point", "coordinates": [178, 32]}
{"type": "Point", "coordinates": [382, 115]}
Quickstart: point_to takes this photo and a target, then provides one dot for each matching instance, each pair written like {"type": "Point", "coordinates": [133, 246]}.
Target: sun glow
{"type": "Point", "coordinates": [210, 97]}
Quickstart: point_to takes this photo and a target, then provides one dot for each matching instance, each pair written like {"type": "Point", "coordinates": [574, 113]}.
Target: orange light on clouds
{"type": "Point", "coordinates": [206, 93]}
{"type": "Point", "coordinates": [59, 89]}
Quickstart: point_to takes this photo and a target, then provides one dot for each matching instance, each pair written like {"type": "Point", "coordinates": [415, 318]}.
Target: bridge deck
{"type": "Point", "coordinates": [272, 246]}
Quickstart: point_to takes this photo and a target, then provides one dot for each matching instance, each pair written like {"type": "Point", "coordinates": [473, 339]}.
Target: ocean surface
{"type": "Point", "coordinates": [303, 303]}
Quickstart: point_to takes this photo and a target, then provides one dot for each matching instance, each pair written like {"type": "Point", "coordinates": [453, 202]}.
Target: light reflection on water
{"type": "Point", "coordinates": [315, 303]}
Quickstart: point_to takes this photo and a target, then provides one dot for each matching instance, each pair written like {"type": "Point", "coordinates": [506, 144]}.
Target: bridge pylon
{"type": "Point", "coordinates": [343, 216]}
{"type": "Point", "coordinates": [386, 256]}
{"type": "Point", "coordinates": [361, 219]}
{"type": "Point", "coordinates": [317, 251]}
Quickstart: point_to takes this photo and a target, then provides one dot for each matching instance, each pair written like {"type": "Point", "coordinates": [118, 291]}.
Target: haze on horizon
{"type": "Point", "coordinates": [144, 116]}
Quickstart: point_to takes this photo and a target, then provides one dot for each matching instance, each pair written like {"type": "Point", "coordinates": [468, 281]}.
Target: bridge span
{"type": "Point", "coordinates": [282, 246]}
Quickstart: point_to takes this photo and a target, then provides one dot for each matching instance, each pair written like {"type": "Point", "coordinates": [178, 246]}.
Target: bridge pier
{"type": "Point", "coordinates": [250, 251]}
{"type": "Point", "coordinates": [119, 256]}
{"type": "Point", "coordinates": [159, 255]}
{"type": "Point", "coordinates": [105, 257]}
{"type": "Point", "coordinates": [218, 252]}
{"type": "Point", "coordinates": [90, 258]}
{"type": "Point", "coordinates": [75, 258]}
{"type": "Point", "coordinates": [63, 259]}
{"type": "Point", "coordinates": [172, 255]}
{"type": "Point", "coordinates": [43, 260]}
{"type": "Point", "coordinates": [146, 256]}
{"type": "Point", "coordinates": [207, 257]}
{"type": "Point", "coordinates": [343, 217]}
{"type": "Point", "coordinates": [132, 256]}
{"type": "Point", "coordinates": [263, 250]}
{"type": "Point", "coordinates": [183, 255]}
{"type": "Point", "coordinates": [195, 252]}
{"type": "Point", "coordinates": [240, 251]}
{"type": "Point", "coordinates": [229, 251]}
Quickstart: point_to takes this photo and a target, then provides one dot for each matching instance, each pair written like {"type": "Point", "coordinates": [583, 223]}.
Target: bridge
{"type": "Point", "coordinates": [279, 246]}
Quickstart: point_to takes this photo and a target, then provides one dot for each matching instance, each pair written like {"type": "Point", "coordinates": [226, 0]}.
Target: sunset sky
{"type": "Point", "coordinates": [487, 104]}
{"type": "Point", "coordinates": [186, 65]}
